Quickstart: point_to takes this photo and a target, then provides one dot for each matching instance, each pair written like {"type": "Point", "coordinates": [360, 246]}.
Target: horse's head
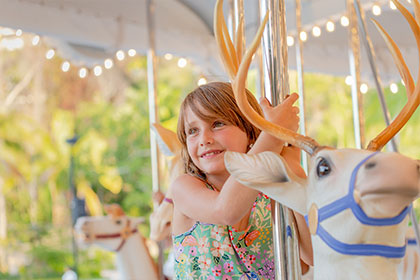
{"type": "Point", "coordinates": [109, 232]}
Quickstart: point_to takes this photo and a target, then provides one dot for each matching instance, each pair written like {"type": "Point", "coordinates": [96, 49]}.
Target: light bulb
{"type": "Point", "coordinates": [316, 31]}
{"type": "Point", "coordinates": [330, 26]}
{"type": "Point", "coordinates": [303, 36]}
{"type": "Point", "coordinates": [65, 66]}
{"type": "Point", "coordinates": [344, 21]}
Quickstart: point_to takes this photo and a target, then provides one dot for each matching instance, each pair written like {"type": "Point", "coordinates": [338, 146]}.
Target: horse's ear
{"type": "Point", "coordinates": [167, 140]}
{"type": "Point", "coordinates": [114, 210]}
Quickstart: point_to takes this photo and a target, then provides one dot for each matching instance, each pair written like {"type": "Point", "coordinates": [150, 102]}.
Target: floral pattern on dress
{"type": "Point", "coordinates": [209, 251]}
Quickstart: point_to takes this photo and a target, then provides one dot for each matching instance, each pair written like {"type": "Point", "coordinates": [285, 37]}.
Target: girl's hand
{"type": "Point", "coordinates": [284, 114]}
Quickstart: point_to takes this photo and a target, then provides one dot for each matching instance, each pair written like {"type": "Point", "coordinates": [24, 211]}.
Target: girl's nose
{"type": "Point", "coordinates": [206, 139]}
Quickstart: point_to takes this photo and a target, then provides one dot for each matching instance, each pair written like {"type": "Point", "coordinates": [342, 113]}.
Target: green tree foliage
{"type": "Point", "coordinates": [110, 116]}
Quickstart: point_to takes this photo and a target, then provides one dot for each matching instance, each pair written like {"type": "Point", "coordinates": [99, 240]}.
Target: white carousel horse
{"type": "Point", "coordinates": [355, 201]}
{"type": "Point", "coordinates": [118, 233]}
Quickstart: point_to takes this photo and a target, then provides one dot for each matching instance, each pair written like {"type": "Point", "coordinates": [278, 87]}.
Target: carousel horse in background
{"type": "Point", "coordinates": [161, 218]}
{"type": "Point", "coordinates": [118, 233]}
{"type": "Point", "coordinates": [355, 201]}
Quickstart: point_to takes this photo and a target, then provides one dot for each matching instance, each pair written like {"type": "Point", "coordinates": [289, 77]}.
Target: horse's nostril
{"type": "Point", "coordinates": [370, 165]}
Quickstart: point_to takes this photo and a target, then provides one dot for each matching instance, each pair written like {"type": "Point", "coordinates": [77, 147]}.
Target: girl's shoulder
{"type": "Point", "coordinates": [186, 183]}
{"type": "Point", "coordinates": [187, 180]}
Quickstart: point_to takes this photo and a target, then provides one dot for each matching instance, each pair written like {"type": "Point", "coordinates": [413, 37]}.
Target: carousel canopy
{"type": "Point", "coordinates": [87, 32]}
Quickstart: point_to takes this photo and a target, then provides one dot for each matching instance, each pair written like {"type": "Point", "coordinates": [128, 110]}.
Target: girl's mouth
{"type": "Point", "coordinates": [211, 153]}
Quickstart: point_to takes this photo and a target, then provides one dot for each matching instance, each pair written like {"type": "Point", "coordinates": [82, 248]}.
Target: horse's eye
{"type": "Point", "coordinates": [323, 168]}
{"type": "Point", "coordinates": [118, 222]}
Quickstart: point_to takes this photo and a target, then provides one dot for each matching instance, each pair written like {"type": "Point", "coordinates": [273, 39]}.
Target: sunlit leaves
{"type": "Point", "coordinates": [93, 203]}
{"type": "Point", "coordinates": [111, 179]}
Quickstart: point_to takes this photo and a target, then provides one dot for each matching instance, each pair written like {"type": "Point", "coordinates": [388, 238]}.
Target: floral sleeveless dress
{"type": "Point", "coordinates": [209, 251]}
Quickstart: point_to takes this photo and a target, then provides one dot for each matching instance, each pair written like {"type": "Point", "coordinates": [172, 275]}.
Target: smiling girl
{"type": "Point", "coordinates": [221, 229]}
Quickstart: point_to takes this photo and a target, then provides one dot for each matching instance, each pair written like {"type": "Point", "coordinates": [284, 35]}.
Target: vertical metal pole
{"type": "Point", "coordinates": [260, 67]}
{"type": "Point", "coordinates": [354, 60]}
{"type": "Point", "coordinates": [301, 84]}
{"type": "Point", "coordinates": [75, 203]}
{"type": "Point", "coordinates": [275, 58]}
{"type": "Point", "coordinates": [371, 55]}
{"type": "Point", "coordinates": [153, 116]}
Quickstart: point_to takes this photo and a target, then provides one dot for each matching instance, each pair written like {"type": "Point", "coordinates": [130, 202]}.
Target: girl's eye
{"type": "Point", "coordinates": [192, 131]}
{"type": "Point", "coordinates": [218, 124]}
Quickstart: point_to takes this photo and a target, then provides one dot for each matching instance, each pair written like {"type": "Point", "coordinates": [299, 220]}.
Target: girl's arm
{"type": "Point", "coordinates": [197, 202]}
{"type": "Point", "coordinates": [292, 156]}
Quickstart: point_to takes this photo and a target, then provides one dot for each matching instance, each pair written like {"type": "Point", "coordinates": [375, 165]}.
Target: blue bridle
{"type": "Point", "coordinates": [348, 202]}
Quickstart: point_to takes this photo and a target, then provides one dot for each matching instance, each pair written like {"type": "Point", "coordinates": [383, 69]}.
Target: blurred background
{"type": "Point", "coordinates": [71, 127]}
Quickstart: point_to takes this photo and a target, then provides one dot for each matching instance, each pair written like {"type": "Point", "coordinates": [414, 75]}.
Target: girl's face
{"type": "Point", "coordinates": [207, 142]}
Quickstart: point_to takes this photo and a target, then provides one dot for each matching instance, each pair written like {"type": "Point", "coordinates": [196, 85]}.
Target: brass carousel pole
{"type": "Point", "coordinates": [153, 116]}
{"type": "Point", "coordinates": [287, 262]}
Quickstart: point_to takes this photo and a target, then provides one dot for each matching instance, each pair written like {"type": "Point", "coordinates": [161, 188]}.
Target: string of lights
{"type": "Point", "coordinates": [12, 40]}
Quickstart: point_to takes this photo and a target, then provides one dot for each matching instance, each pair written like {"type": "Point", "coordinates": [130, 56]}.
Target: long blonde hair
{"type": "Point", "coordinates": [209, 102]}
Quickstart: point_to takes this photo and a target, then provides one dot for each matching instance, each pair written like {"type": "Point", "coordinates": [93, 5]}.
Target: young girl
{"type": "Point", "coordinates": [222, 229]}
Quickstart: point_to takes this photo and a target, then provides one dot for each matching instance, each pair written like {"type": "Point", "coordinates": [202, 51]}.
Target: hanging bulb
{"type": "Point", "coordinates": [182, 62]}
{"type": "Point", "coordinates": [50, 54]}
{"type": "Point", "coordinates": [65, 66]}
{"type": "Point", "coordinates": [364, 88]}
{"type": "Point", "coordinates": [108, 63]}
{"type": "Point", "coordinates": [330, 26]}
{"type": "Point", "coordinates": [303, 36]}
{"type": "Point", "coordinates": [82, 72]}
{"type": "Point", "coordinates": [120, 55]}
{"type": "Point", "coordinates": [376, 10]}
{"type": "Point", "coordinates": [35, 40]}
{"type": "Point", "coordinates": [316, 31]}
{"type": "Point", "coordinates": [392, 5]}
{"type": "Point", "coordinates": [97, 70]}
{"type": "Point", "coordinates": [290, 41]}
{"type": "Point", "coordinates": [132, 52]}
{"type": "Point", "coordinates": [393, 87]}
{"type": "Point", "coordinates": [202, 81]}
{"type": "Point", "coordinates": [344, 21]}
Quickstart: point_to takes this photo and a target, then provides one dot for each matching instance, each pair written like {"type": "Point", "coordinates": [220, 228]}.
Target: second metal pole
{"type": "Point", "coordinates": [275, 60]}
